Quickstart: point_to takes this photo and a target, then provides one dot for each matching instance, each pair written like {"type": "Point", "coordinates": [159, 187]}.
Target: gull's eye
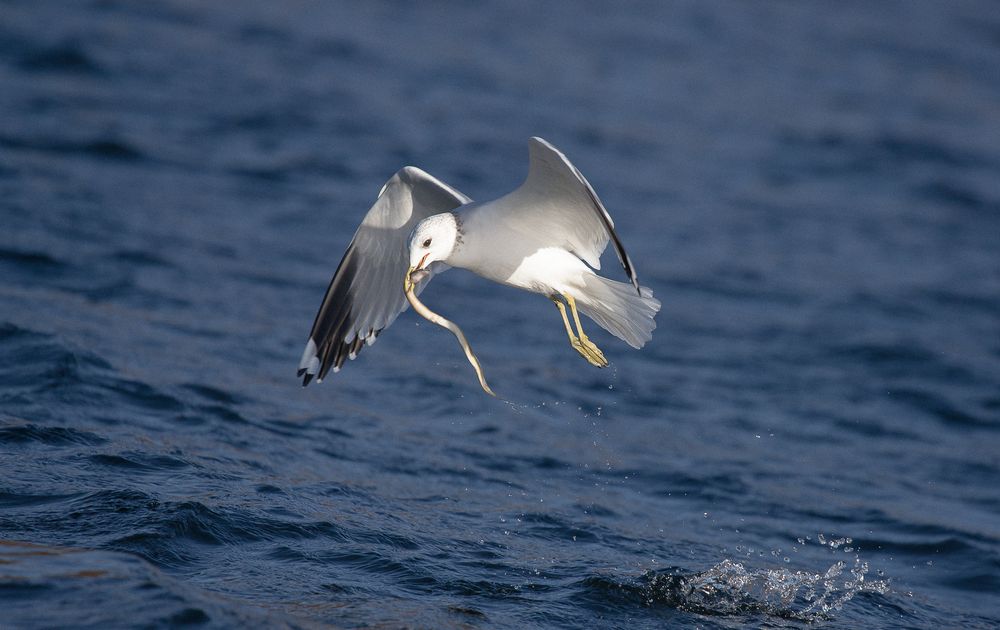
{"type": "Point", "coordinates": [427, 243]}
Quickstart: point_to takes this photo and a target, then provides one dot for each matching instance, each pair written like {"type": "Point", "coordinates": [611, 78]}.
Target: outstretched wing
{"type": "Point", "coordinates": [366, 293]}
{"type": "Point", "coordinates": [557, 202]}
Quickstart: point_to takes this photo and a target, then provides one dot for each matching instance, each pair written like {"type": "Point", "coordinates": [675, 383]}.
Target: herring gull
{"type": "Point", "coordinates": [546, 237]}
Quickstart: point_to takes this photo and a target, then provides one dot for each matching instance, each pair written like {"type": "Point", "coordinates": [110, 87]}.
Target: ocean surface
{"type": "Point", "coordinates": [812, 438]}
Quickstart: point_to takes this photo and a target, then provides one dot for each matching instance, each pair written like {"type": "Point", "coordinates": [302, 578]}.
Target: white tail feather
{"type": "Point", "coordinates": [617, 308]}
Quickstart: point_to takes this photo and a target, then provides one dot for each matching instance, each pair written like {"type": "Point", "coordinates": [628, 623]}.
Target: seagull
{"type": "Point", "coordinates": [546, 237]}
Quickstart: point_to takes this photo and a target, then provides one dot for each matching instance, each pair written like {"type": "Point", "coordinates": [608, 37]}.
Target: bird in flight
{"type": "Point", "coordinates": [546, 237]}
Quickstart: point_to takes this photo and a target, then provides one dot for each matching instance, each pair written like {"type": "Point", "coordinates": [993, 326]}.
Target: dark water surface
{"type": "Point", "coordinates": [811, 439]}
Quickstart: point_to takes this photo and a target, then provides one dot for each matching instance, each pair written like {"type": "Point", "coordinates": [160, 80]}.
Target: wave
{"type": "Point", "coordinates": [82, 581]}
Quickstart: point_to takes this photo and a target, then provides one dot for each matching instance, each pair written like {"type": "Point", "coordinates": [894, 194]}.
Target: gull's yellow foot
{"type": "Point", "coordinates": [581, 344]}
{"type": "Point", "coordinates": [590, 351]}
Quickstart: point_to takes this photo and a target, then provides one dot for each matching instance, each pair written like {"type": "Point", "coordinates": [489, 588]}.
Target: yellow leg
{"type": "Point", "coordinates": [581, 344]}
{"type": "Point", "coordinates": [562, 311]}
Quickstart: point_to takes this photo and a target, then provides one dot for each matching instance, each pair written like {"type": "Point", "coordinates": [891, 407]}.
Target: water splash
{"type": "Point", "coordinates": [734, 588]}
{"type": "Point", "coordinates": [730, 588]}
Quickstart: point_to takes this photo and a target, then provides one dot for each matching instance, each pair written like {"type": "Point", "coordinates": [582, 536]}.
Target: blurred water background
{"type": "Point", "coordinates": [812, 437]}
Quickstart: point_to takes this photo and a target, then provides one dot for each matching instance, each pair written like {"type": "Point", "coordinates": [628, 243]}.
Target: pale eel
{"type": "Point", "coordinates": [433, 317]}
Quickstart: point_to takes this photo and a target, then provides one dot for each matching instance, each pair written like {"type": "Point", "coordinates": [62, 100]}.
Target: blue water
{"type": "Point", "coordinates": [812, 438]}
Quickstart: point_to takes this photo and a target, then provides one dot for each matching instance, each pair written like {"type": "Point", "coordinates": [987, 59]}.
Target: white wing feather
{"type": "Point", "coordinates": [366, 293]}
{"type": "Point", "coordinates": [559, 207]}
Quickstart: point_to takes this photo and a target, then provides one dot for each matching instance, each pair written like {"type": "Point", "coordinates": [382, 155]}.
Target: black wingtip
{"type": "Point", "coordinates": [307, 380]}
{"type": "Point", "coordinates": [300, 372]}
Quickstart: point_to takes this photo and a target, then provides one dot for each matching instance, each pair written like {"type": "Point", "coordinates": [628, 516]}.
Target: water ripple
{"type": "Point", "coordinates": [47, 435]}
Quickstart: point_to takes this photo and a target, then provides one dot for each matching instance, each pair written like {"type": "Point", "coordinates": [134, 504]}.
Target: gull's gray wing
{"type": "Point", "coordinates": [366, 293]}
{"type": "Point", "coordinates": [557, 206]}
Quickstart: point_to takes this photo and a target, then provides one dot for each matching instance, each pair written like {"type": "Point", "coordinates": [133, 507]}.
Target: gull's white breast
{"type": "Point", "coordinates": [549, 270]}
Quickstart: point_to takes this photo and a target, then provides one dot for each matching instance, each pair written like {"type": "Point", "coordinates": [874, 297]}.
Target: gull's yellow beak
{"type": "Point", "coordinates": [407, 282]}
